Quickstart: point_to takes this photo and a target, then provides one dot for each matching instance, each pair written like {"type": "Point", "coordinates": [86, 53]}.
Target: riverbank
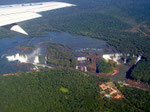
{"type": "Point", "coordinates": [116, 71]}
{"type": "Point", "coordinates": [137, 84]}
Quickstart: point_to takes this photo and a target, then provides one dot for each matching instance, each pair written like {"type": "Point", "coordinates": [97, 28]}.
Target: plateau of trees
{"type": "Point", "coordinates": [60, 55]}
{"type": "Point", "coordinates": [102, 66]}
{"type": "Point", "coordinates": [57, 90]}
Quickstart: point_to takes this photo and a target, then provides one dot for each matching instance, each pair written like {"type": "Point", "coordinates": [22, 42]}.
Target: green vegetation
{"type": "Point", "coordinates": [60, 55]}
{"type": "Point", "coordinates": [29, 47]}
{"type": "Point", "coordinates": [102, 66]}
{"type": "Point", "coordinates": [42, 92]}
{"type": "Point", "coordinates": [131, 60]}
{"type": "Point", "coordinates": [137, 97]}
{"type": "Point", "coordinates": [141, 72]}
{"type": "Point", "coordinates": [112, 21]}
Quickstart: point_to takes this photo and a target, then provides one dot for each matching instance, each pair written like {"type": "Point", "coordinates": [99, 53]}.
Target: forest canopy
{"type": "Point", "coordinates": [58, 90]}
{"type": "Point", "coordinates": [141, 72]}
{"type": "Point", "coordinates": [102, 66]}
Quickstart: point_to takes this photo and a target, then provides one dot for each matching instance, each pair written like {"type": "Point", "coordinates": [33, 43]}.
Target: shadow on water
{"type": "Point", "coordinates": [129, 72]}
{"type": "Point", "coordinates": [131, 68]}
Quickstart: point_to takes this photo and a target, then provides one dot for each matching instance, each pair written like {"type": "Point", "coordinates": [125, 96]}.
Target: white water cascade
{"type": "Point", "coordinates": [36, 60]}
{"type": "Point", "coordinates": [27, 58]}
{"type": "Point", "coordinates": [20, 58]}
{"type": "Point", "coordinates": [138, 59]}
{"type": "Point", "coordinates": [115, 57]}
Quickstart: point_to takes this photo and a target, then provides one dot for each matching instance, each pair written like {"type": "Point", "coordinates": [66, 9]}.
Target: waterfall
{"type": "Point", "coordinates": [28, 58]}
{"type": "Point", "coordinates": [36, 60]}
{"type": "Point", "coordinates": [125, 60]}
{"type": "Point", "coordinates": [115, 57]}
{"type": "Point", "coordinates": [18, 57]}
{"type": "Point", "coordinates": [138, 59]}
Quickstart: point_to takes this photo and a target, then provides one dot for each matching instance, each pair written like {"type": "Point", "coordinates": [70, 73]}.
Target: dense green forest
{"type": "Point", "coordinates": [138, 97]}
{"type": "Point", "coordinates": [102, 66]}
{"type": "Point", "coordinates": [141, 72]}
{"type": "Point", "coordinates": [58, 90]}
{"type": "Point", "coordinates": [117, 22]}
{"type": "Point", "coordinates": [59, 55]}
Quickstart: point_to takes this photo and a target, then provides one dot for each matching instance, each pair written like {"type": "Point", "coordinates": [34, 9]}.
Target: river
{"type": "Point", "coordinates": [9, 47]}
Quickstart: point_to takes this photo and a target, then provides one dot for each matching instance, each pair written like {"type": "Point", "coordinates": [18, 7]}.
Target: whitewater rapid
{"type": "Point", "coordinates": [26, 58]}
{"type": "Point", "coordinates": [117, 56]}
